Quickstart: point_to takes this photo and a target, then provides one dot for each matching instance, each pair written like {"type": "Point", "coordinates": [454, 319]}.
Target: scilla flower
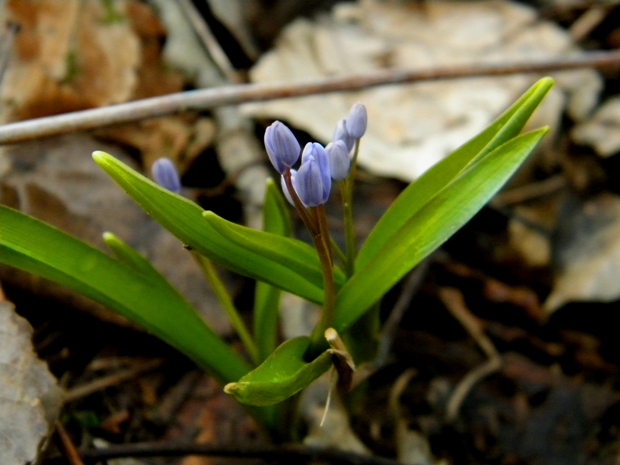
{"type": "Point", "coordinates": [357, 121]}
{"type": "Point", "coordinates": [282, 146]}
{"type": "Point", "coordinates": [341, 133]}
{"type": "Point", "coordinates": [309, 183]}
{"type": "Point", "coordinates": [319, 154]}
{"type": "Point", "coordinates": [338, 160]}
{"type": "Point", "coordinates": [165, 174]}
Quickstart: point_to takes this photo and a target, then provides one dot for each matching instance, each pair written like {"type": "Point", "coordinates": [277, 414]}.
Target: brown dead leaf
{"type": "Point", "coordinates": [181, 138]}
{"type": "Point", "coordinates": [178, 137]}
{"type": "Point", "coordinates": [216, 418]}
{"type": "Point", "coordinates": [154, 77]}
{"type": "Point", "coordinates": [70, 55]}
{"type": "Point", "coordinates": [532, 244]}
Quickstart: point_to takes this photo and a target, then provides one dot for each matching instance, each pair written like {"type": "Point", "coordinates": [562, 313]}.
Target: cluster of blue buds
{"type": "Point", "coordinates": [165, 174]}
{"type": "Point", "coordinates": [319, 165]}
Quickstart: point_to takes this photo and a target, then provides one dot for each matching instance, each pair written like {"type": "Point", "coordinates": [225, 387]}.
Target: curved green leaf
{"type": "Point", "coordinates": [430, 226]}
{"type": "Point", "coordinates": [291, 253]}
{"type": "Point", "coordinates": [132, 287]}
{"type": "Point", "coordinates": [184, 219]}
{"type": "Point", "coordinates": [132, 259]}
{"type": "Point", "coordinates": [281, 376]}
{"type": "Point", "coordinates": [420, 192]}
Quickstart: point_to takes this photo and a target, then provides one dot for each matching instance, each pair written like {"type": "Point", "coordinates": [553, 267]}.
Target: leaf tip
{"type": "Point", "coordinates": [232, 388]}
{"type": "Point", "coordinates": [99, 156]}
{"type": "Point", "coordinates": [108, 237]}
{"type": "Point", "coordinates": [544, 84]}
{"type": "Point", "coordinates": [547, 80]}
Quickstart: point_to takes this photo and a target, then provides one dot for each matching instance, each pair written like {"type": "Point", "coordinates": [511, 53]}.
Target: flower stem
{"type": "Point", "coordinates": [346, 188]}
{"type": "Point", "coordinates": [323, 246]}
{"type": "Point", "coordinates": [229, 307]}
{"type": "Point", "coordinates": [315, 220]}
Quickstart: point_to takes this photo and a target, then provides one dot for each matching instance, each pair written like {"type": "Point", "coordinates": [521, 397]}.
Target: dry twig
{"type": "Point", "coordinates": [71, 453]}
{"type": "Point", "coordinates": [285, 454]}
{"type": "Point", "coordinates": [209, 41]}
{"type": "Point", "coordinates": [203, 99]}
{"type": "Point", "coordinates": [529, 191]}
{"type": "Point", "coordinates": [453, 300]}
{"type": "Point", "coordinates": [111, 380]}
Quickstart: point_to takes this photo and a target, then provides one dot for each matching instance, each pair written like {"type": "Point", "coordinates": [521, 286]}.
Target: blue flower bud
{"type": "Point", "coordinates": [282, 146]}
{"type": "Point", "coordinates": [165, 174]}
{"type": "Point", "coordinates": [309, 183]}
{"type": "Point", "coordinates": [287, 194]}
{"type": "Point", "coordinates": [357, 121]}
{"type": "Point", "coordinates": [339, 162]}
{"type": "Point", "coordinates": [341, 133]}
{"type": "Point", "coordinates": [316, 151]}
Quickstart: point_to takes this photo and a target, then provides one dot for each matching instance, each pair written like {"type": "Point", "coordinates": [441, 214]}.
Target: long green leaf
{"type": "Point", "coordinates": [291, 253]}
{"type": "Point", "coordinates": [132, 259]}
{"type": "Point", "coordinates": [420, 192]}
{"type": "Point", "coordinates": [184, 219]}
{"type": "Point", "coordinates": [430, 226]}
{"type": "Point", "coordinates": [276, 219]}
{"type": "Point", "coordinates": [142, 296]}
{"type": "Point", "coordinates": [281, 376]}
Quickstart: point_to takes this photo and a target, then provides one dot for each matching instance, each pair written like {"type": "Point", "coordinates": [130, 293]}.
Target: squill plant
{"type": "Point", "coordinates": [347, 284]}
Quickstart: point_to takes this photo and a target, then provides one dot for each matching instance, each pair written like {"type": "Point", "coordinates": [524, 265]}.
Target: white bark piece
{"type": "Point", "coordinates": [30, 398]}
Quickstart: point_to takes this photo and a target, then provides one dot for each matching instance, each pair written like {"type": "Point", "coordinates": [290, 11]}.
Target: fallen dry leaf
{"type": "Point", "coordinates": [602, 131]}
{"type": "Point", "coordinates": [30, 399]}
{"type": "Point", "coordinates": [587, 252]}
{"type": "Point", "coordinates": [69, 56]}
{"type": "Point", "coordinates": [411, 127]}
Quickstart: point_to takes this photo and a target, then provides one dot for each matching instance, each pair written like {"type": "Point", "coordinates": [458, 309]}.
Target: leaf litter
{"type": "Point", "coordinates": [547, 402]}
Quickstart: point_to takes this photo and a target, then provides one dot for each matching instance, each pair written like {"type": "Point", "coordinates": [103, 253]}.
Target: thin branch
{"type": "Point", "coordinates": [67, 446]}
{"type": "Point", "coordinates": [453, 300]}
{"type": "Point", "coordinates": [203, 99]}
{"type": "Point", "coordinates": [285, 454]}
{"type": "Point", "coordinates": [530, 191]}
{"type": "Point", "coordinates": [411, 286]}
{"type": "Point", "coordinates": [208, 40]}
{"type": "Point", "coordinates": [115, 378]}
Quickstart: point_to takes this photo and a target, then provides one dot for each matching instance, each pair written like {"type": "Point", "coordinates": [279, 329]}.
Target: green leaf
{"type": "Point", "coordinates": [184, 219]}
{"type": "Point", "coordinates": [430, 226]}
{"type": "Point", "coordinates": [131, 287]}
{"type": "Point", "coordinates": [290, 253]}
{"type": "Point", "coordinates": [132, 259]}
{"type": "Point", "coordinates": [420, 192]}
{"type": "Point", "coordinates": [276, 220]}
{"type": "Point", "coordinates": [281, 376]}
